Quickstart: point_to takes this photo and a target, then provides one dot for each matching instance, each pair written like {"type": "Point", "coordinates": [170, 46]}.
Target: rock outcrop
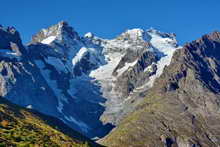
{"type": "Point", "coordinates": [182, 108]}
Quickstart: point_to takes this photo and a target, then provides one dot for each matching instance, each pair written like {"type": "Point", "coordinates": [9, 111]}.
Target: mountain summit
{"type": "Point", "coordinates": [142, 83]}
{"type": "Point", "coordinates": [80, 79]}
{"type": "Point", "coordinates": [60, 31]}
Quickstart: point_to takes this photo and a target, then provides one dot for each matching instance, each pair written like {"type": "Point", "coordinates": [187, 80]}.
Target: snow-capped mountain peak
{"type": "Point", "coordinates": [91, 83]}
{"type": "Point", "coordinates": [161, 34]}
{"type": "Point", "coordinates": [59, 32]}
{"type": "Point", "coordinates": [89, 35]}
{"type": "Point", "coordinates": [99, 74]}
{"type": "Point", "coordinates": [135, 34]}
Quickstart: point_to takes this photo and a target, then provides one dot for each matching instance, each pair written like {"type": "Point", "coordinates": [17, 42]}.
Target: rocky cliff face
{"type": "Point", "coordinates": [20, 78]}
{"type": "Point", "coordinates": [182, 108]}
{"type": "Point", "coordinates": [10, 39]}
{"type": "Point", "coordinates": [88, 82]}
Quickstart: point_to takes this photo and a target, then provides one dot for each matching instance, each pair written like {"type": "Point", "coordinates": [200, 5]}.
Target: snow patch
{"type": "Point", "coordinates": [9, 54]}
{"type": "Point", "coordinates": [79, 123]}
{"type": "Point", "coordinates": [29, 107]}
{"type": "Point", "coordinates": [88, 35]}
{"type": "Point", "coordinates": [79, 55]}
{"type": "Point", "coordinates": [135, 33]}
{"type": "Point", "coordinates": [126, 67]}
{"type": "Point", "coordinates": [165, 46]}
{"type": "Point", "coordinates": [104, 72]}
{"type": "Point", "coordinates": [48, 40]}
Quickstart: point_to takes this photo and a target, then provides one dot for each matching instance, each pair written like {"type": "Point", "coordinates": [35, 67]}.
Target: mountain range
{"type": "Point", "coordinates": [138, 89]}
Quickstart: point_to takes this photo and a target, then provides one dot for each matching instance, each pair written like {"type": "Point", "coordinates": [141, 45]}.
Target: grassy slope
{"type": "Point", "coordinates": [21, 127]}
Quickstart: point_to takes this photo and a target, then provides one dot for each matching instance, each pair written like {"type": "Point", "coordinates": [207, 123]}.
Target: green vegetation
{"type": "Point", "coordinates": [22, 128]}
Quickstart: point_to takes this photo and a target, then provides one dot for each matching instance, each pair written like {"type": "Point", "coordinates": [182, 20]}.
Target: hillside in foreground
{"type": "Point", "coordinates": [21, 127]}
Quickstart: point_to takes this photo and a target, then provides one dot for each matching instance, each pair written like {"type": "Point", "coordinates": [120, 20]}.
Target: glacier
{"type": "Point", "coordinates": [95, 81]}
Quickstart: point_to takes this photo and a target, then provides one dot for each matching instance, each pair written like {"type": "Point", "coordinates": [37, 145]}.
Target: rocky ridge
{"type": "Point", "coordinates": [182, 108]}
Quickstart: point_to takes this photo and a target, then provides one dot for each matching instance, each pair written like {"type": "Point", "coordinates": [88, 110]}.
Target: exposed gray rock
{"type": "Point", "coordinates": [61, 29]}
{"type": "Point", "coordinates": [136, 75]}
{"type": "Point", "coordinates": [10, 39]}
{"type": "Point", "coordinates": [182, 108]}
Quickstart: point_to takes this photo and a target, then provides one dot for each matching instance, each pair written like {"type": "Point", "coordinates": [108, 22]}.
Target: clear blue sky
{"type": "Point", "coordinates": [189, 19]}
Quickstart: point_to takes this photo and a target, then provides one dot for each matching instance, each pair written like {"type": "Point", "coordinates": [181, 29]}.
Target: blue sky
{"type": "Point", "coordinates": [189, 19]}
